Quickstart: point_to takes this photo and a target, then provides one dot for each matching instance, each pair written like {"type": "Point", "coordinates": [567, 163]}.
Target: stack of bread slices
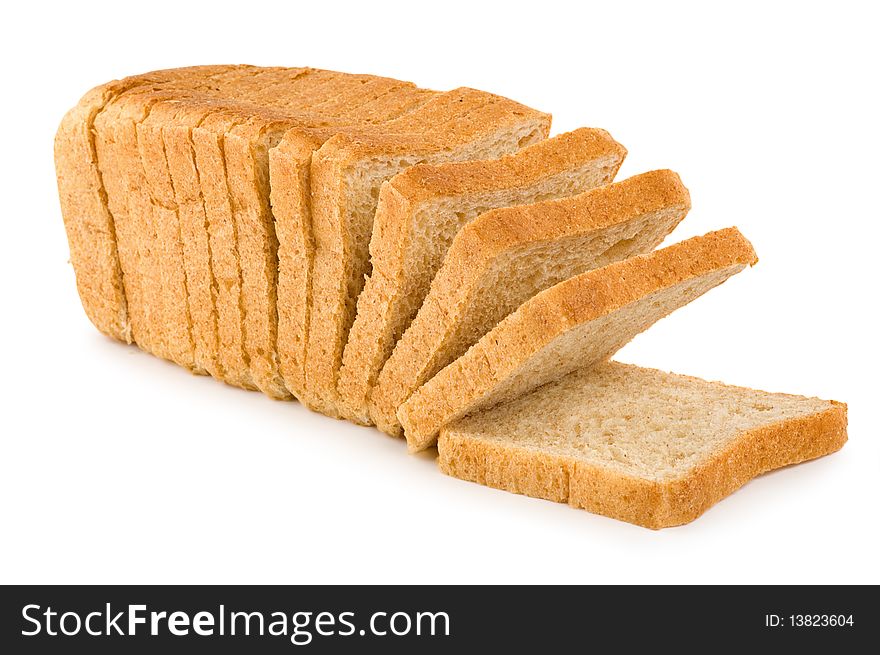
{"type": "Point", "coordinates": [427, 262]}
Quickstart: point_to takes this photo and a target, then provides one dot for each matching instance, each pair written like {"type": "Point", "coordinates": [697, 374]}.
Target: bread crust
{"type": "Point", "coordinates": [425, 182]}
{"type": "Point", "coordinates": [649, 503]}
{"type": "Point", "coordinates": [424, 349]}
{"type": "Point", "coordinates": [379, 320]}
{"type": "Point", "coordinates": [469, 380]}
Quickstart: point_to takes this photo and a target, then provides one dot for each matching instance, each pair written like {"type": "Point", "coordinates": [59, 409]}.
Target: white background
{"type": "Point", "coordinates": [120, 468]}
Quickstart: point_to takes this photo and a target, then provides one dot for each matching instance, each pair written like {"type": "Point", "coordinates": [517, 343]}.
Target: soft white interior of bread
{"type": "Point", "coordinates": [639, 422]}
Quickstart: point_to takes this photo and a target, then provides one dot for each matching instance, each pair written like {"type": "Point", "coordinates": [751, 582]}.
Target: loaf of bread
{"type": "Point", "coordinates": [428, 262]}
{"type": "Point", "coordinates": [219, 125]}
{"type": "Point", "coordinates": [652, 448]}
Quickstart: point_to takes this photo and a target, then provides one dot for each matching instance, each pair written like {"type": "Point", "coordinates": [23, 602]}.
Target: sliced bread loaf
{"type": "Point", "coordinates": [507, 256]}
{"type": "Point", "coordinates": [312, 106]}
{"type": "Point", "coordinates": [639, 445]}
{"type": "Point", "coordinates": [419, 213]}
{"type": "Point", "coordinates": [577, 323]}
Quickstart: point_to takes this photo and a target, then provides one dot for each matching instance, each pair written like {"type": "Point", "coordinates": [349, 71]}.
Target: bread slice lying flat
{"type": "Point", "coordinates": [419, 213]}
{"type": "Point", "coordinates": [507, 256]}
{"type": "Point", "coordinates": [346, 176]}
{"type": "Point", "coordinates": [574, 324]}
{"type": "Point", "coordinates": [639, 445]}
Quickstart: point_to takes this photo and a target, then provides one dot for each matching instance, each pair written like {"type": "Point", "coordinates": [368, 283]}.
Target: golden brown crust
{"type": "Point", "coordinates": [648, 503]}
{"type": "Point", "coordinates": [91, 226]}
{"type": "Point", "coordinates": [500, 229]}
{"type": "Point", "coordinates": [425, 182]}
{"type": "Point", "coordinates": [551, 314]}
{"type": "Point", "coordinates": [427, 130]}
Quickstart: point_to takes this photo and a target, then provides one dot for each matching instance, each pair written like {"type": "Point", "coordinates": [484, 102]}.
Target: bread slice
{"type": "Point", "coordinates": [577, 323]}
{"type": "Point", "coordinates": [208, 146]}
{"type": "Point", "coordinates": [90, 231]}
{"type": "Point", "coordinates": [639, 445]}
{"type": "Point", "coordinates": [419, 213]}
{"type": "Point", "coordinates": [346, 175]}
{"type": "Point", "coordinates": [507, 256]}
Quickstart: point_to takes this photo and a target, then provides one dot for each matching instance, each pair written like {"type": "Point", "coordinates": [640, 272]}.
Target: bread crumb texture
{"type": "Point", "coordinates": [640, 445]}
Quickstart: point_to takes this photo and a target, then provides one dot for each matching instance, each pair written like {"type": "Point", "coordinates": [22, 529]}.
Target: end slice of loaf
{"type": "Point", "coordinates": [639, 445]}
{"type": "Point", "coordinates": [507, 256]}
{"type": "Point", "coordinates": [346, 176]}
{"type": "Point", "coordinates": [419, 213]}
{"type": "Point", "coordinates": [577, 323]}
